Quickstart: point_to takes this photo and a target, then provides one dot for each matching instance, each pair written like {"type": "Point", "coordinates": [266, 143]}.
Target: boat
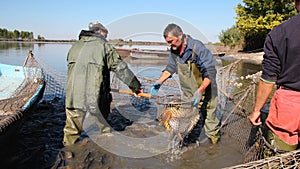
{"type": "Point", "coordinates": [21, 88]}
{"type": "Point", "coordinates": [149, 54]}
{"type": "Point", "coordinates": [123, 52]}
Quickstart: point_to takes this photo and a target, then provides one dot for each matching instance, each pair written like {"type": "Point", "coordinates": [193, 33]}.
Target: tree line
{"type": "Point", "coordinates": [17, 35]}
{"type": "Point", "coordinates": [254, 20]}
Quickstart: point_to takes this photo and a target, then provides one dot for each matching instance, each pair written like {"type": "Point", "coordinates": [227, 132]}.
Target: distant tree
{"type": "Point", "coordinates": [10, 34]}
{"type": "Point", "coordinates": [255, 18]}
{"type": "Point", "coordinates": [231, 37]}
{"type": "Point", "coordinates": [31, 35]}
{"type": "Point", "coordinates": [23, 34]}
{"type": "Point", "coordinates": [39, 37]}
{"type": "Point", "coordinates": [3, 33]}
{"type": "Point", "coordinates": [16, 34]}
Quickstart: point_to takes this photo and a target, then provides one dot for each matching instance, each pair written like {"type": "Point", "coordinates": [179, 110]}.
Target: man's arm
{"type": "Point", "coordinates": [164, 76]}
{"type": "Point", "coordinates": [263, 92]}
{"type": "Point", "coordinates": [204, 84]}
{"type": "Point", "coordinates": [121, 69]}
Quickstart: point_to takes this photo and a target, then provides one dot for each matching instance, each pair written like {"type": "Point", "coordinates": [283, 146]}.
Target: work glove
{"type": "Point", "coordinates": [154, 89]}
{"type": "Point", "coordinates": [196, 97]}
{"type": "Point", "coordinates": [137, 92]}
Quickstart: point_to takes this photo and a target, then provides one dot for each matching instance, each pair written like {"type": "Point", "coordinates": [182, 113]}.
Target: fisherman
{"type": "Point", "coordinates": [90, 61]}
{"type": "Point", "coordinates": [195, 66]}
{"type": "Point", "coordinates": [280, 67]}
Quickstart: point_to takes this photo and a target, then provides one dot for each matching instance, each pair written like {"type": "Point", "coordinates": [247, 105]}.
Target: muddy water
{"type": "Point", "coordinates": [39, 146]}
{"type": "Point", "coordinates": [204, 155]}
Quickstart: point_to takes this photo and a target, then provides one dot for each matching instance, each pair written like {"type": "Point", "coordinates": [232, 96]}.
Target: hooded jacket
{"type": "Point", "coordinates": [90, 61]}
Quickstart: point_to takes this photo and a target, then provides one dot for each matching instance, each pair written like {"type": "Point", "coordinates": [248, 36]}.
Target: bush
{"type": "Point", "coordinates": [231, 37]}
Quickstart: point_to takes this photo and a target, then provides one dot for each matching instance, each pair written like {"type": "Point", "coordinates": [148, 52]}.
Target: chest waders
{"type": "Point", "coordinates": [190, 80]}
{"type": "Point", "coordinates": [190, 77]}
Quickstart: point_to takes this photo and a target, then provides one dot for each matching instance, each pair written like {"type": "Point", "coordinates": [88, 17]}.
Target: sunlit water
{"type": "Point", "coordinates": [195, 156]}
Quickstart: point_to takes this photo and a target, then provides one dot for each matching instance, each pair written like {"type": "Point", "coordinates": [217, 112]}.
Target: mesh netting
{"type": "Point", "coordinates": [286, 160]}
{"type": "Point", "coordinates": [237, 99]}
{"type": "Point", "coordinates": [27, 92]}
{"type": "Point", "coordinates": [179, 118]}
{"type": "Point", "coordinates": [56, 81]}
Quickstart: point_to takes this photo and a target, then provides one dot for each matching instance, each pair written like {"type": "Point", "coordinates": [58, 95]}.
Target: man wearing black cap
{"type": "Point", "coordinates": [90, 61]}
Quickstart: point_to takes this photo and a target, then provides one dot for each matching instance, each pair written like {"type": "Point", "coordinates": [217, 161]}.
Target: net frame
{"type": "Point", "coordinates": [177, 116]}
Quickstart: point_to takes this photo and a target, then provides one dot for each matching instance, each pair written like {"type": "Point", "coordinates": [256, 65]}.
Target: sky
{"type": "Point", "coordinates": [125, 19]}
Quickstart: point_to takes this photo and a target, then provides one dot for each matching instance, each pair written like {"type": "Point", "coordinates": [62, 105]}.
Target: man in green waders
{"type": "Point", "coordinates": [195, 66]}
{"type": "Point", "coordinates": [90, 61]}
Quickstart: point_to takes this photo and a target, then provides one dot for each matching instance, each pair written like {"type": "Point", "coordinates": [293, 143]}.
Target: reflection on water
{"type": "Point", "coordinates": [14, 52]}
{"type": "Point", "coordinates": [53, 54]}
{"type": "Point", "coordinates": [14, 45]}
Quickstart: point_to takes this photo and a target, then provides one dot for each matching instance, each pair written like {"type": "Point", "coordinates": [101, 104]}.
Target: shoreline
{"type": "Point", "coordinates": [237, 53]}
{"type": "Point", "coordinates": [256, 57]}
{"type": "Point", "coordinates": [113, 42]}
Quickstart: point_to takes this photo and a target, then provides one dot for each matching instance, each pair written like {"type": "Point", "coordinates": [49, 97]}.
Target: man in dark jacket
{"type": "Point", "coordinates": [90, 61]}
{"type": "Point", "coordinates": [280, 67]}
{"type": "Point", "coordinates": [195, 66]}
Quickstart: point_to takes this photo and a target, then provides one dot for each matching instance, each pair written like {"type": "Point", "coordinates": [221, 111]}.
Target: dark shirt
{"type": "Point", "coordinates": [281, 63]}
{"type": "Point", "coordinates": [202, 56]}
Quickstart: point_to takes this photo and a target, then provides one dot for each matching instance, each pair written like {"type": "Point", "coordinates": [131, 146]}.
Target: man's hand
{"type": "Point", "coordinates": [254, 118]}
{"type": "Point", "coordinates": [137, 92]}
{"type": "Point", "coordinates": [196, 97]}
{"type": "Point", "coordinates": [154, 89]}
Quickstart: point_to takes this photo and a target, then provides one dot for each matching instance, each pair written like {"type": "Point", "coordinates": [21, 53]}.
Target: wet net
{"type": "Point", "coordinates": [56, 81]}
{"type": "Point", "coordinates": [29, 86]}
{"type": "Point", "coordinates": [285, 160]}
{"type": "Point", "coordinates": [177, 116]}
{"type": "Point", "coordinates": [236, 99]}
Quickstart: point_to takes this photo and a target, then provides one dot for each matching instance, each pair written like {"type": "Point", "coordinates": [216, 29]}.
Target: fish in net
{"type": "Point", "coordinates": [178, 117]}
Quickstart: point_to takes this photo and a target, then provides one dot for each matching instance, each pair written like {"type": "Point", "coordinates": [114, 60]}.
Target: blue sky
{"type": "Point", "coordinates": [63, 19]}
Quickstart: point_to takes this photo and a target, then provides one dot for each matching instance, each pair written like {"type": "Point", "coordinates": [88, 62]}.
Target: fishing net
{"type": "Point", "coordinates": [175, 115]}
{"type": "Point", "coordinates": [29, 79]}
{"type": "Point", "coordinates": [285, 160]}
{"type": "Point", "coordinates": [178, 117]}
{"type": "Point", "coordinates": [237, 98]}
{"type": "Point", "coordinates": [56, 81]}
